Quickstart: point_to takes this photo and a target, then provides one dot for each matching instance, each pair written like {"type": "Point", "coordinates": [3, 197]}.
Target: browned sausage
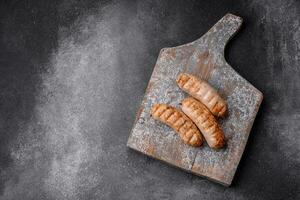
{"type": "Point", "coordinates": [177, 120]}
{"type": "Point", "coordinates": [205, 121]}
{"type": "Point", "coordinates": [202, 91]}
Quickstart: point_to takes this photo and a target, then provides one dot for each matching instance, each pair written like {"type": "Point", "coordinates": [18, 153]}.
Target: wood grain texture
{"type": "Point", "coordinates": [204, 58]}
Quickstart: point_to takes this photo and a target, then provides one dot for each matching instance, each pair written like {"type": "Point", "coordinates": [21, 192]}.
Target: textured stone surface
{"type": "Point", "coordinates": [205, 59]}
{"type": "Point", "coordinates": [114, 46]}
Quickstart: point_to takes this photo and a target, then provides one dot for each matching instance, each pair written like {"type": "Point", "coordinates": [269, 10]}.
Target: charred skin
{"type": "Point", "coordinates": [205, 121]}
{"type": "Point", "coordinates": [202, 91]}
{"type": "Point", "coordinates": [177, 120]}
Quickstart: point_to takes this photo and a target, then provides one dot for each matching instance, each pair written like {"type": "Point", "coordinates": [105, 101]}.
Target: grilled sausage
{"type": "Point", "coordinates": [177, 120]}
{"type": "Point", "coordinates": [205, 121]}
{"type": "Point", "coordinates": [202, 91]}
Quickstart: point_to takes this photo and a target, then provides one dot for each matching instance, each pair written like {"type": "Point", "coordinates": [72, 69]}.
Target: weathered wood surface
{"type": "Point", "coordinates": [203, 58]}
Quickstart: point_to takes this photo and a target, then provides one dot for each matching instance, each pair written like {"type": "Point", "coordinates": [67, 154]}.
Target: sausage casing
{"type": "Point", "coordinates": [177, 120]}
{"type": "Point", "coordinates": [205, 121]}
{"type": "Point", "coordinates": [202, 91]}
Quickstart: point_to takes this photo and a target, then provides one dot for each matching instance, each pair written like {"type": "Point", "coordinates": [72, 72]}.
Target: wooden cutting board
{"type": "Point", "coordinates": [205, 59]}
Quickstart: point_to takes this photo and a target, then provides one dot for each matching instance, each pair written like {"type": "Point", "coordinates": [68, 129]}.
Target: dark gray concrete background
{"type": "Point", "coordinates": [72, 76]}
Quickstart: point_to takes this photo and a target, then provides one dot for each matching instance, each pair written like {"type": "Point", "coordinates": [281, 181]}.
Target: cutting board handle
{"type": "Point", "coordinates": [219, 35]}
{"type": "Point", "coordinates": [209, 49]}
